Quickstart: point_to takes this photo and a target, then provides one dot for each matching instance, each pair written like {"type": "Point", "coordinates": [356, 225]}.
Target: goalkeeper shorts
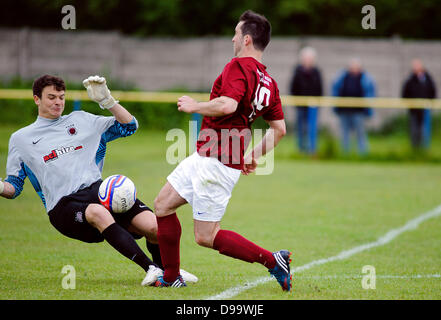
{"type": "Point", "coordinates": [69, 215]}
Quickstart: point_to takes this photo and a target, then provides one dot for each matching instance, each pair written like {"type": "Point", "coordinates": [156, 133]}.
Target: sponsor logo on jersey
{"type": "Point", "coordinates": [264, 78]}
{"type": "Point", "coordinates": [59, 152]}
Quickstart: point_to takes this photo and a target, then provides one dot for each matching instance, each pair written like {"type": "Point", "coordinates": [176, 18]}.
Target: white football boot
{"type": "Point", "coordinates": [187, 276]}
{"type": "Point", "coordinates": [154, 272]}
{"type": "Point", "coordinates": [152, 275]}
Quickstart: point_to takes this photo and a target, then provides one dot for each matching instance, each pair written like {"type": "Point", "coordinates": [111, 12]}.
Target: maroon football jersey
{"type": "Point", "coordinates": [227, 137]}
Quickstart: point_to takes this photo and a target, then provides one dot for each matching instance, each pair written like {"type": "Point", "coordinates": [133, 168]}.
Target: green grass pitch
{"type": "Point", "coordinates": [314, 208]}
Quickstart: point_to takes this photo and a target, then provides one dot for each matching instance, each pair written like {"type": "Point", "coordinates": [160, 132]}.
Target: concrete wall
{"type": "Point", "coordinates": [159, 64]}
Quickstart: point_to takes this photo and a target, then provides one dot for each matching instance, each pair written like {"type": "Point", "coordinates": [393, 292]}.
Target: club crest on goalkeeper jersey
{"type": "Point", "coordinates": [62, 156]}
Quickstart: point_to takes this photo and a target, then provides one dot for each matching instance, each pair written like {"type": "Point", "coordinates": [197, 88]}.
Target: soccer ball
{"type": "Point", "coordinates": [117, 193]}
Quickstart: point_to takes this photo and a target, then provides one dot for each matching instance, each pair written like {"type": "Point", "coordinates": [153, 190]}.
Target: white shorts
{"type": "Point", "coordinates": [206, 184]}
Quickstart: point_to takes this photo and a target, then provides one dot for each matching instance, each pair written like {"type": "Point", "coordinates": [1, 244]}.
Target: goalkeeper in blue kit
{"type": "Point", "coordinates": [63, 157]}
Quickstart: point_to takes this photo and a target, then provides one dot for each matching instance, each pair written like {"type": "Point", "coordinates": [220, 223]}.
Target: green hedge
{"type": "Point", "coordinates": [157, 116]}
{"type": "Point", "coordinates": [183, 18]}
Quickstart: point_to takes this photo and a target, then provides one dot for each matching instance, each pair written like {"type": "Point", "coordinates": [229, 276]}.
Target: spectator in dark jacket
{"type": "Point", "coordinates": [354, 82]}
{"type": "Point", "coordinates": [419, 85]}
{"type": "Point", "coordinates": [306, 81]}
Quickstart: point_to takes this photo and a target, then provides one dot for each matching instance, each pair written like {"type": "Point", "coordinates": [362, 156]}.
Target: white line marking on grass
{"type": "Point", "coordinates": [378, 276]}
{"type": "Point", "coordinates": [388, 237]}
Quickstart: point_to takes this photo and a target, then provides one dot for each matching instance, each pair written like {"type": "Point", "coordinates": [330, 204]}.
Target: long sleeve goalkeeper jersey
{"type": "Point", "coordinates": [62, 156]}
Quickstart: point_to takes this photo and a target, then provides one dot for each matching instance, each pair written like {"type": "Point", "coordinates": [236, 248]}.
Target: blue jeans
{"type": "Point", "coordinates": [307, 129]}
{"type": "Point", "coordinates": [420, 127]}
{"type": "Point", "coordinates": [353, 121]}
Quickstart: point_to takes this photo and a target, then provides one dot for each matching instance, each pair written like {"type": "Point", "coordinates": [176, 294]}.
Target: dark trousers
{"type": "Point", "coordinates": [416, 122]}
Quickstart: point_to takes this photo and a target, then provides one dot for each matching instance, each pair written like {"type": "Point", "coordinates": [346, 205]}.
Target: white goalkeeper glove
{"type": "Point", "coordinates": [2, 186]}
{"type": "Point", "coordinates": [97, 90]}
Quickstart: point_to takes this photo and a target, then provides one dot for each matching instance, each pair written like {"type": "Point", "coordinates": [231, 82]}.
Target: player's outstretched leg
{"type": "Point", "coordinates": [282, 271]}
{"type": "Point", "coordinates": [234, 245]}
{"type": "Point", "coordinates": [116, 236]}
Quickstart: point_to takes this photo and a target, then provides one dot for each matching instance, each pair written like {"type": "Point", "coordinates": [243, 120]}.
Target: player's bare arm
{"type": "Point", "coordinates": [99, 92]}
{"type": "Point", "coordinates": [274, 134]}
{"type": "Point", "coordinates": [7, 190]}
{"type": "Point", "coordinates": [217, 107]}
{"type": "Point", "coordinates": [121, 114]}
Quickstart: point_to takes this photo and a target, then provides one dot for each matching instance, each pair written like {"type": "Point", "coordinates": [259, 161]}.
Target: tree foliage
{"type": "Point", "coordinates": [186, 18]}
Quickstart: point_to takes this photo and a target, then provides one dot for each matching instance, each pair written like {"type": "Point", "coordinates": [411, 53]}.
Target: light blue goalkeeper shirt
{"type": "Point", "coordinates": [62, 156]}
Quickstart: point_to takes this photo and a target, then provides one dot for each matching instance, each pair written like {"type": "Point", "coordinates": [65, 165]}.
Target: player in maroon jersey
{"type": "Point", "coordinates": [205, 180]}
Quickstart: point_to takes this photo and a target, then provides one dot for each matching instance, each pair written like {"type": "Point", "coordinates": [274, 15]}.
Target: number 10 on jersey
{"type": "Point", "coordinates": [261, 99]}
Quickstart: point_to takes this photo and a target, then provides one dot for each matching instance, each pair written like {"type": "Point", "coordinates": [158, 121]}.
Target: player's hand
{"type": "Point", "coordinates": [97, 90]}
{"type": "Point", "coordinates": [187, 104]}
{"type": "Point", "coordinates": [249, 166]}
{"type": "Point", "coordinates": [2, 186]}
